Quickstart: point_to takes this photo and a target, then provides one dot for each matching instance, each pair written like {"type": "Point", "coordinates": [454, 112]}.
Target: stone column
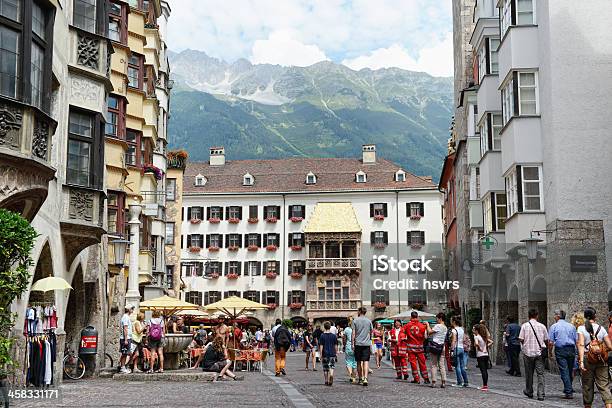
{"type": "Point", "coordinates": [133, 294]}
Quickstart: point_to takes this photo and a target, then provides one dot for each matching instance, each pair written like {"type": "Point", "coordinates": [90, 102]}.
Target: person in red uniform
{"type": "Point", "coordinates": [416, 332]}
{"type": "Point", "coordinates": [397, 338]}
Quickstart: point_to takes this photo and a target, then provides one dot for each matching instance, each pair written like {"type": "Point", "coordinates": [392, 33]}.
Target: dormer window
{"type": "Point", "coordinates": [400, 175]}
{"type": "Point", "coordinates": [360, 177]}
{"type": "Point", "coordinates": [200, 180]}
{"type": "Point", "coordinates": [311, 178]}
{"type": "Point", "coordinates": [248, 180]}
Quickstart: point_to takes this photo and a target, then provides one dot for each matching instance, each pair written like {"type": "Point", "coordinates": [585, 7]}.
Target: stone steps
{"type": "Point", "coordinates": [170, 375]}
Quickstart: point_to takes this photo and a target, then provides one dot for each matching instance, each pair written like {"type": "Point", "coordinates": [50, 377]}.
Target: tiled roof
{"type": "Point", "coordinates": [333, 217]}
{"type": "Point", "coordinates": [289, 175]}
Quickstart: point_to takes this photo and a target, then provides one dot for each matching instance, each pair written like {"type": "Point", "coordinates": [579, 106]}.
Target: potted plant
{"type": "Point", "coordinates": [253, 220]}
{"type": "Point", "coordinates": [177, 159]}
{"type": "Point", "coordinates": [194, 249]}
{"type": "Point", "coordinates": [296, 247]}
{"type": "Point", "coordinates": [379, 245]}
{"type": "Point", "coordinates": [233, 220]}
{"type": "Point", "coordinates": [213, 249]}
{"type": "Point", "coordinates": [379, 217]}
{"type": "Point", "coordinates": [214, 220]}
{"type": "Point", "coordinates": [417, 306]}
{"type": "Point", "coordinates": [156, 171]}
{"type": "Point", "coordinates": [380, 306]}
{"type": "Point", "coordinates": [271, 248]}
{"type": "Point", "coordinates": [252, 248]}
{"type": "Point", "coordinates": [232, 276]}
{"type": "Point", "coordinates": [271, 275]}
{"type": "Point", "coordinates": [214, 275]}
{"type": "Point", "coordinates": [195, 220]}
{"type": "Point", "coordinates": [295, 306]}
{"type": "Point", "coordinates": [272, 219]}
{"type": "Point", "coordinates": [296, 275]}
{"type": "Point", "coordinates": [233, 248]}
{"type": "Point", "coordinates": [297, 219]}
{"type": "Point", "coordinates": [415, 217]}
{"type": "Point", "coordinates": [272, 306]}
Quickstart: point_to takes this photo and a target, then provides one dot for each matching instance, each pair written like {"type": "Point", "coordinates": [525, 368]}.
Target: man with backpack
{"type": "Point", "coordinates": [282, 342]}
{"type": "Point", "coordinates": [593, 345]}
{"type": "Point", "coordinates": [534, 338]}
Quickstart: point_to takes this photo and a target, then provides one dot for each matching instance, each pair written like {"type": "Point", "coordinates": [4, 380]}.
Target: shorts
{"type": "Point", "coordinates": [216, 367]}
{"type": "Point", "coordinates": [362, 353]}
{"type": "Point", "coordinates": [329, 363]}
{"type": "Point", "coordinates": [307, 349]}
{"type": "Point", "coordinates": [125, 348]}
{"type": "Point", "coordinates": [349, 359]}
{"type": "Point", "coordinates": [155, 344]}
{"type": "Point", "coordinates": [133, 347]}
{"type": "Point", "coordinates": [379, 346]}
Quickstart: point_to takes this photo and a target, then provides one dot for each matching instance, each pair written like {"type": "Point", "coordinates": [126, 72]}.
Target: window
{"type": "Point", "coordinates": [85, 15]}
{"type": "Point", "coordinates": [212, 297]}
{"type": "Point", "coordinates": [214, 240]}
{"type": "Point", "coordinates": [517, 12]}
{"type": "Point", "coordinates": [379, 296]}
{"type": "Point", "coordinates": [490, 138]}
{"type": "Point", "coordinates": [231, 293]}
{"type": "Point", "coordinates": [379, 238]}
{"type": "Point", "coordinates": [272, 266]}
{"type": "Point", "coordinates": [233, 267]}
{"type": "Point", "coordinates": [194, 297]}
{"type": "Point", "coordinates": [253, 240]}
{"type": "Point", "coordinates": [117, 23]}
{"type": "Point", "coordinates": [378, 210]}
{"type": "Point", "coordinates": [416, 238]}
{"type": "Point", "coordinates": [494, 56]}
{"type": "Point", "coordinates": [296, 267]}
{"type": "Point", "coordinates": [297, 296]}
{"type": "Point", "coordinates": [415, 210]}
{"type": "Point", "coordinates": [500, 211]}
{"type": "Point", "coordinates": [194, 213]}
{"type": "Point", "coordinates": [271, 239]}
{"type": "Point", "coordinates": [169, 276]}
{"type": "Point", "coordinates": [334, 291]}
{"type": "Point", "coordinates": [520, 95]}
{"type": "Point", "coordinates": [213, 267]}
{"type": "Point", "coordinates": [253, 268]}
{"type": "Point", "coordinates": [200, 180]}
{"type": "Point", "coordinates": [11, 9]}
{"type": "Point", "coordinates": [297, 211]}
{"type": "Point", "coordinates": [233, 212]}
{"type": "Point", "coordinates": [9, 55]}
{"type": "Point", "coordinates": [195, 240]}
{"type": "Point", "coordinates": [115, 117]}
{"type": "Point", "coordinates": [133, 153]}
{"type": "Point", "coordinates": [488, 63]}
{"type": "Point", "coordinates": [252, 295]}
{"type": "Point", "coordinates": [248, 180]}
{"type": "Point", "coordinates": [169, 233]}
{"type": "Point", "coordinates": [400, 175]}
{"type": "Point", "coordinates": [116, 213]}
{"type": "Point", "coordinates": [507, 94]}
{"type": "Point", "coordinates": [417, 296]}
{"type": "Point", "coordinates": [135, 69]}
{"type": "Point", "coordinates": [233, 240]}
{"type": "Point", "coordinates": [215, 212]}
{"type": "Point", "coordinates": [296, 239]}
{"type": "Point", "coordinates": [271, 297]}
{"type": "Point", "coordinates": [253, 213]}
{"type": "Point", "coordinates": [360, 177]}
{"type": "Point", "coordinates": [511, 193]}
{"type": "Point", "coordinates": [36, 74]}
{"type": "Point", "coordinates": [171, 189]}
{"type": "Point", "coordinates": [271, 211]}
{"type": "Point", "coordinates": [524, 190]}
{"type": "Point", "coordinates": [80, 140]}
{"type": "Point", "coordinates": [311, 178]}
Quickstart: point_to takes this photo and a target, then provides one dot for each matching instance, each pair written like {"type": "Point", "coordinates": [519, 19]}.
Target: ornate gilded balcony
{"type": "Point", "coordinates": [335, 264]}
{"type": "Point", "coordinates": [323, 305]}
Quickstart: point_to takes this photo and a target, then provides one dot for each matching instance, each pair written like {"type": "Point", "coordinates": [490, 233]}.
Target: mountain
{"type": "Point", "coordinates": [324, 110]}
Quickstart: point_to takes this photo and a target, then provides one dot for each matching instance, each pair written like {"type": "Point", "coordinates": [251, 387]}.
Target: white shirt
{"type": "Point", "coordinates": [439, 334]}
{"type": "Point", "coordinates": [587, 337]}
{"type": "Point", "coordinates": [481, 346]}
{"type": "Point", "coordinates": [333, 330]}
{"type": "Point", "coordinates": [459, 333]}
{"type": "Point", "coordinates": [126, 321]}
{"type": "Point", "coordinates": [273, 331]}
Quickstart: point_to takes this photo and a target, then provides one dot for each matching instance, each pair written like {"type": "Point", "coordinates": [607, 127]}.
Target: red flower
{"type": "Point", "coordinates": [214, 275]}
{"type": "Point", "coordinates": [379, 246]}
{"type": "Point", "coordinates": [380, 305]}
{"type": "Point", "coordinates": [234, 220]}
{"type": "Point", "coordinates": [271, 248]}
{"type": "Point", "coordinates": [232, 276]}
{"type": "Point", "coordinates": [213, 249]}
{"type": "Point", "coordinates": [271, 275]}
{"type": "Point", "coordinates": [252, 248]}
{"type": "Point", "coordinates": [195, 249]}
{"type": "Point", "coordinates": [233, 248]}
{"type": "Point", "coordinates": [195, 220]}
{"type": "Point", "coordinates": [379, 217]}
{"type": "Point", "coordinates": [272, 220]}
{"type": "Point", "coordinates": [415, 217]}
{"type": "Point", "coordinates": [253, 220]}
{"type": "Point", "coordinates": [272, 306]}
{"type": "Point", "coordinates": [295, 306]}
{"type": "Point", "coordinates": [296, 247]}
{"type": "Point", "coordinates": [297, 219]}
{"type": "Point", "coordinates": [415, 246]}
{"type": "Point", "coordinates": [296, 275]}
{"type": "Point", "coordinates": [214, 220]}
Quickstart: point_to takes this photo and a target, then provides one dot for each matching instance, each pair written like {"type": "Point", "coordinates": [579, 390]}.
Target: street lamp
{"type": "Point", "coordinates": [120, 248]}
{"type": "Point", "coordinates": [531, 244]}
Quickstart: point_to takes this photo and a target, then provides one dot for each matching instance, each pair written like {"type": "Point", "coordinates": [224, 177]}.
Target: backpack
{"type": "Point", "coordinates": [597, 351]}
{"type": "Point", "coordinates": [155, 331]}
{"type": "Point", "coordinates": [282, 337]}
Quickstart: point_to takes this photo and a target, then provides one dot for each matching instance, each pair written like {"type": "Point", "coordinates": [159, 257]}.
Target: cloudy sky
{"type": "Point", "coordinates": [410, 34]}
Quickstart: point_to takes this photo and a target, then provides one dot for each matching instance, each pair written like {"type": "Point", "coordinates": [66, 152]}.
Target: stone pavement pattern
{"type": "Point", "coordinates": [305, 389]}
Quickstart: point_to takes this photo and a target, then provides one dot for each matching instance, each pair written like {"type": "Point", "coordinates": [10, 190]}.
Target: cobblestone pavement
{"type": "Point", "coordinates": [304, 389]}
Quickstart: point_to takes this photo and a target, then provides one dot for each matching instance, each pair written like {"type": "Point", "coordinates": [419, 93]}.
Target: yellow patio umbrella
{"type": "Point", "coordinates": [192, 313]}
{"type": "Point", "coordinates": [167, 305]}
{"type": "Point", "coordinates": [234, 306]}
{"type": "Point", "coordinates": [50, 283]}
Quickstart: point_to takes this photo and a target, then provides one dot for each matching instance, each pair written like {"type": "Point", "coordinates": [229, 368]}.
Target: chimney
{"type": "Point", "coordinates": [368, 154]}
{"type": "Point", "coordinates": [217, 156]}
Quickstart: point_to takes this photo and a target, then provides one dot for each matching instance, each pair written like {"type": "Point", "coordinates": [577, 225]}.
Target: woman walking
{"type": "Point", "coordinates": [593, 365]}
{"type": "Point", "coordinates": [481, 342]}
{"type": "Point", "coordinates": [157, 332]}
{"type": "Point", "coordinates": [349, 353]}
{"type": "Point", "coordinates": [458, 352]}
{"type": "Point", "coordinates": [309, 348]}
{"type": "Point", "coordinates": [377, 339]}
{"type": "Point", "coordinates": [436, 350]}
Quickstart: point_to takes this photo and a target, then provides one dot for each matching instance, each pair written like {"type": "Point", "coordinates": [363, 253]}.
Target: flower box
{"type": "Point", "coordinates": [214, 220]}
{"type": "Point", "coordinates": [296, 247]}
{"type": "Point", "coordinates": [295, 306]}
{"type": "Point", "coordinates": [232, 276]}
{"type": "Point", "coordinates": [213, 249]}
{"type": "Point", "coordinates": [252, 248]}
{"type": "Point", "coordinates": [234, 220]}
{"type": "Point", "coordinates": [195, 249]}
{"type": "Point", "coordinates": [272, 306]}
{"type": "Point", "coordinates": [271, 220]}
{"type": "Point", "coordinates": [380, 306]}
{"type": "Point", "coordinates": [415, 217]}
{"type": "Point", "coordinates": [271, 275]}
{"type": "Point", "coordinates": [416, 246]}
{"type": "Point", "coordinates": [379, 217]}
{"type": "Point", "coordinates": [380, 246]}
{"type": "Point", "coordinates": [297, 219]}
{"type": "Point", "coordinates": [253, 220]}
{"type": "Point", "coordinates": [296, 275]}
{"type": "Point", "coordinates": [195, 221]}
{"type": "Point", "coordinates": [214, 275]}
{"type": "Point", "coordinates": [157, 172]}
{"type": "Point", "coordinates": [271, 248]}
{"type": "Point", "coordinates": [233, 248]}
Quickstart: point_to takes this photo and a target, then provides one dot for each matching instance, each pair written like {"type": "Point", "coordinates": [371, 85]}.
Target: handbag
{"type": "Point", "coordinates": [454, 361]}
{"type": "Point", "coordinates": [543, 350]}
{"type": "Point", "coordinates": [435, 348]}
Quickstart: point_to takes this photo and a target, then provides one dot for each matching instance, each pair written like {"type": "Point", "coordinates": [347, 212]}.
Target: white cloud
{"type": "Point", "coordinates": [436, 60]}
{"type": "Point", "coordinates": [283, 48]}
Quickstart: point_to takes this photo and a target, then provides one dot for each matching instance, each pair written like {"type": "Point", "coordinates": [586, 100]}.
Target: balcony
{"type": "Point", "coordinates": [153, 204]}
{"type": "Point", "coordinates": [335, 305]}
{"type": "Point", "coordinates": [325, 264]}
{"type": "Point", "coordinates": [489, 98]}
{"type": "Point", "coordinates": [491, 175]}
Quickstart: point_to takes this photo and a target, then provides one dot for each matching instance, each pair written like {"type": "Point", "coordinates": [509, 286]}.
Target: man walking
{"type": "Point", "coordinates": [416, 332]}
{"type": "Point", "coordinates": [362, 341]}
{"type": "Point", "coordinates": [282, 342]}
{"type": "Point", "coordinates": [533, 337]}
{"type": "Point", "coordinates": [328, 344]}
{"type": "Point", "coordinates": [563, 337]}
{"type": "Point", "coordinates": [514, 346]}
{"type": "Point", "coordinates": [125, 338]}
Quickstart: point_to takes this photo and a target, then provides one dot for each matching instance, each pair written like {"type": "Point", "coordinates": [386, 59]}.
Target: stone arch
{"type": "Point", "coordinates": [43, 268]}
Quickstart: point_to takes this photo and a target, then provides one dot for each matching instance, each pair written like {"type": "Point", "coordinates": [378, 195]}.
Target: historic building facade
{"type": "Point", "coordinates": [299, 234]}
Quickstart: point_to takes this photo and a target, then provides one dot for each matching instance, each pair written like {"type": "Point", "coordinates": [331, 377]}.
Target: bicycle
{"type": "Point", "coordinates": [73, 365]}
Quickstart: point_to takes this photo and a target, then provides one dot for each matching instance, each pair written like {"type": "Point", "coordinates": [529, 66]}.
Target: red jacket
{"type": "Point", "coordinates": [398, 345]}
{"type": "Point", "coordinates": [415, 332]}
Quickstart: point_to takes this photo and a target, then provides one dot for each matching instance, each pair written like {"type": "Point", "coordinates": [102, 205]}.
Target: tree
{"type": "Point", "coordinates": [16, 242]}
